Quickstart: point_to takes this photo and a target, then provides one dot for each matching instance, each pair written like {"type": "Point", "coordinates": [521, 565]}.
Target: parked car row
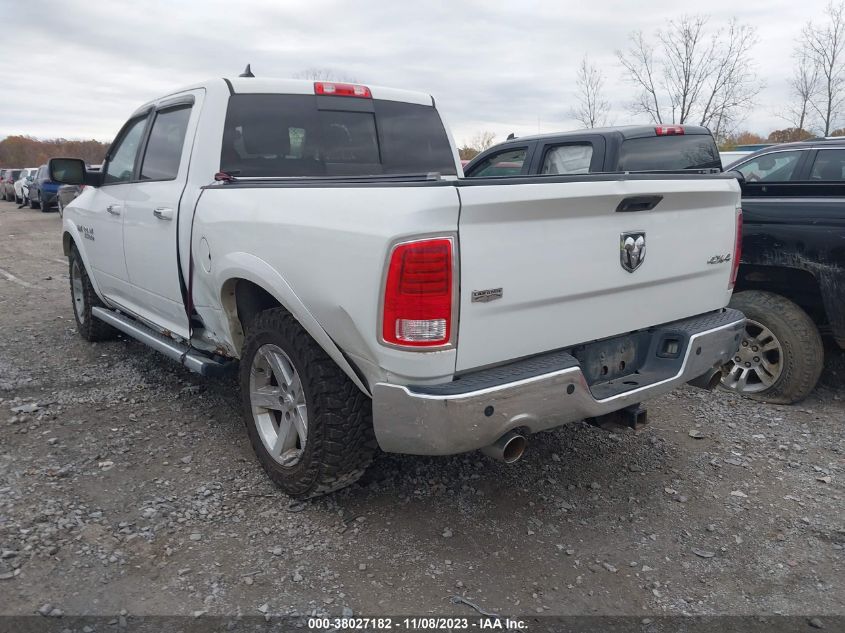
{"type": "Point", "coordinates": [32, 186]}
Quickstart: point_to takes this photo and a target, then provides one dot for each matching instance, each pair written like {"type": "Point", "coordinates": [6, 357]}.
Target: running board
{"type": "Point", "coordinates": [190, 358]}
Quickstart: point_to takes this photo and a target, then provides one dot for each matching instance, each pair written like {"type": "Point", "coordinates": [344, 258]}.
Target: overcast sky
{"type": "Point", "coordinates": [79, 68]}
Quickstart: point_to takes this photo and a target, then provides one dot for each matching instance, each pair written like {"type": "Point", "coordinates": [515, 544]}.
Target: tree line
{"type": "Point", "coordinates": [26, 151]}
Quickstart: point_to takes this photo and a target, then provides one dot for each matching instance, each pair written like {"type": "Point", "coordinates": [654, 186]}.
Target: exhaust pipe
{"type": "Point", "coordinates": [708, 381]}
{"type": "Point", "coordinates": [509, 448]}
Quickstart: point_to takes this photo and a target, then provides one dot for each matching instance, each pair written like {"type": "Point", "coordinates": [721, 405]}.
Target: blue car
{"type": "Point", "coordinates": [43, 192]}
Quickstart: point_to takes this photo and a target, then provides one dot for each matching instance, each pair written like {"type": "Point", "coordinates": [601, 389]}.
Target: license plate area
{"type": "Point", "coordinates": [623, 363]}
{"type": "Point", "coordinates": [612, 358]}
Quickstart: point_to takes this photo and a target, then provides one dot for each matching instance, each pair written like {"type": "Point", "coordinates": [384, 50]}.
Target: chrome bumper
{"type": "Point", "coordinates": [448, 419]}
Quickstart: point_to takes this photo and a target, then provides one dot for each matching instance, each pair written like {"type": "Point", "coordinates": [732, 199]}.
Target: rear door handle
{"type": "Point", "coordinates": [114, 209]}
{"type": "Point", "coordinates": [638, 203]}
{"type": "Point", "coordinates": [163, 213]}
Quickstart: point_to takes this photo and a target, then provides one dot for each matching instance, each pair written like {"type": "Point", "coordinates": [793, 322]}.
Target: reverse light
{"type": "Point", "coordinates": [737, 249]}
{"type": "Point", "coordinates": [669, 130]}
{"type": "Point", "coordinates": [418, 294]}
{"type": "Point", "coordinates": [332, 89]}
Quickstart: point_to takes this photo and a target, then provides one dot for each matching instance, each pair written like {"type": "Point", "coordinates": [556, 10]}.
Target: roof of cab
{"type": "Point", "coordinates": [625, 131]}
{"type": "Point", "coordinates": [262, 85]}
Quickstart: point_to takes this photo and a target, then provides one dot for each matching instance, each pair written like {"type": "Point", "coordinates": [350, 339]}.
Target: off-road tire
{"type": "Point", "coordinates": [340, 439]}
{"type": "Point", "coordinates": [89, 327]}
{"type": "Point", "coordinates": [802, 348]}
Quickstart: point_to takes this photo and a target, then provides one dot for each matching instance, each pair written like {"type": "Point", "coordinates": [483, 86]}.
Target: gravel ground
{"type": "Point", "coordinates": [127, 485]}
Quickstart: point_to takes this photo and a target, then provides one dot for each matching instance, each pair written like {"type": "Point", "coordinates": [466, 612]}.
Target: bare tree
{"type": "Point", "coordinates": [482, 140]}
{"type": "Point", "coordinates": [803, 86]}
{"type": "Point", "coordinates": [593, 108]}
{"type": "Point", "coordinates": [825, 46]}
{"type": "Point", "coordinates": [692, 76]}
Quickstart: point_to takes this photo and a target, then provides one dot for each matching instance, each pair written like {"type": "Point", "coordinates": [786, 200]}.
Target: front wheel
{"type": "Point", "coordinates": [60, 208]}
{"type": "Point", "coordinates": [45, 206]}
{"type": "Point", "coordinates": [309, 425]}
{"type": "Point", "coordinates": [781, 355]}
{"type": "Point", "coordinates": [84, 297]}
{"type": "Point", "coordinates": [32, 203]}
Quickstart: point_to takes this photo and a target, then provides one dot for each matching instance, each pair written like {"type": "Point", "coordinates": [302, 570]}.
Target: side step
{"type": "Point", "coordinates": [190, 358]}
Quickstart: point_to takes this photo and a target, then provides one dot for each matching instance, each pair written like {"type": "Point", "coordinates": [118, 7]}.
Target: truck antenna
{"type": "Point", "coordinates": [247, 72]}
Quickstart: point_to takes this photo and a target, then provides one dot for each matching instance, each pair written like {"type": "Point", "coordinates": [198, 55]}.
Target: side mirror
{"type": "Point", "coordinates": [734, 173]}
{"type": "Point", "coordinates": [71, 171]}
{"type": "Point", "coordinates": [67, 171]}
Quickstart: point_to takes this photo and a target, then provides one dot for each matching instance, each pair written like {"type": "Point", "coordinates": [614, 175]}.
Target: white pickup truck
{"type": "Point", "coordinates": [321, 235]}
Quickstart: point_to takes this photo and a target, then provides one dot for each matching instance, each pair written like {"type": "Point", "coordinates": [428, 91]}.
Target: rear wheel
{"type": "Point", "coordinates": [781, 355]}
{"type": "Point", "coordinates": [84, 298]}
{"type": "Point", "coordinates": [59, 207]}
{"type": "Point", "coordinates": [309, 425]}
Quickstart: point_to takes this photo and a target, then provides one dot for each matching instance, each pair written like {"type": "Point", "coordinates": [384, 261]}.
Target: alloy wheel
{"type": "Point", "coordinates": [758, 362]}
{"type": "Point", "coordinates": [279, 409]}
{"type": "Point", "coordinates": [78, 291]}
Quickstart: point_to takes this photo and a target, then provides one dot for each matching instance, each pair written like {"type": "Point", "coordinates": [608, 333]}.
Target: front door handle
{"type": "Point", "coordinates": [114, 209]}
{"type": "Point", "coordinates": [163, 213]}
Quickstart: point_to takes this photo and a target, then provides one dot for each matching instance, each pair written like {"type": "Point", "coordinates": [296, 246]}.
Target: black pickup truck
{"type": "Point", "coordinates": [791, 283]}
{"type": "Point", "coordinates": [613, 149]}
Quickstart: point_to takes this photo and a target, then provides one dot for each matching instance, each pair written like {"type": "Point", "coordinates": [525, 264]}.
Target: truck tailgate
{"type": "Point", "coordinates": [553, 248]}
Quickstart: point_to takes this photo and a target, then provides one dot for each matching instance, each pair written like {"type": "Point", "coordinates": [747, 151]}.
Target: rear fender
{"type": "Point", "coordinates": [234, 266]}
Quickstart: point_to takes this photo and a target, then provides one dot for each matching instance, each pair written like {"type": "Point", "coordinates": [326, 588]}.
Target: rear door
{"type": "Point", "coordinates": [558, 250]}
{"type": "Point", "coordinates": [151, 209]}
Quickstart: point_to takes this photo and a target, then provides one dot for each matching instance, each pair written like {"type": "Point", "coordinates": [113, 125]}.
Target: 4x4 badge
{"type": "Point", "coordinates": [632, 250]}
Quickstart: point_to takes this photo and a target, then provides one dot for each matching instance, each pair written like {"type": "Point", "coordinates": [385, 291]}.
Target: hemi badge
{"type": "Point", "coordinates": [483, 296]}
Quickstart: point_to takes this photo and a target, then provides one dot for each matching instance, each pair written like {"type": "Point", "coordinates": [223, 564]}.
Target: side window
{"type": "Point", "coordinates": [568, 159]}
{"type": "Point", "coordinates": [506, 163]}
{"type": "Point", "coordinates": [164, 148]}
{"type": "Point", "coordinates": [774, 167]}
{"type": "Point", "coordinates": [829, 165]}
{"type": "Point", "coordinates": [122, 163]}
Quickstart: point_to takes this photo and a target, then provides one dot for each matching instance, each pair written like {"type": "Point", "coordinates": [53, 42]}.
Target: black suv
{"type": "Point", "coordinates": [791, 283]}
{"type": "Point", "coordinates": [612, 149]}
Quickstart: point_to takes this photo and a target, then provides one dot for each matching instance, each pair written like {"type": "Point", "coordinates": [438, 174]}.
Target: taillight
{"type": "Point", "coordinates": [333, 89]}
{"type": "Point", "coordinates": [418, 294]}
{"type": "Point", "coordinates": [669, 130]}
{"type": "Point", "coordinates": [737, 249]}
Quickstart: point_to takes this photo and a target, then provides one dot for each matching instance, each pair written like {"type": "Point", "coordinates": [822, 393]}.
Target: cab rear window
{"type": "Point", "coordinates": [306, 135]}
{"type": "Point", "coordinates": [658, 153]}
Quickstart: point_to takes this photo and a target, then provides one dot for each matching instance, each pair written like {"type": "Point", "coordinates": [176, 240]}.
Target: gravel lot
{"type": "Point", "coordinates": [127, 484]}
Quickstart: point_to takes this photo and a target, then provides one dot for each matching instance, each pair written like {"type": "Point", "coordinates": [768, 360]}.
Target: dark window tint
{"type": "Point", "coordinates": [288, 135]}
{"type": "Point", "coordinates": [121, 167]}
{"type": "Point", "coordinates": [829, 165]}
{"type": "Point", "coordinates": [693, 151]}
{"type": "Point", "coordinates": [772, 167]}
{"type": "Point", "coordinates": [164, 149]}
{"type": "Point", "coordinates": [15, 174]}
{"type": "Point", "coordinates": [506, 163]}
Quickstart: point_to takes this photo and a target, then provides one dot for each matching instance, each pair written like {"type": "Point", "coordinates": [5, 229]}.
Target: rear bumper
{"type": "Point", "coordinates": [539, 393]}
